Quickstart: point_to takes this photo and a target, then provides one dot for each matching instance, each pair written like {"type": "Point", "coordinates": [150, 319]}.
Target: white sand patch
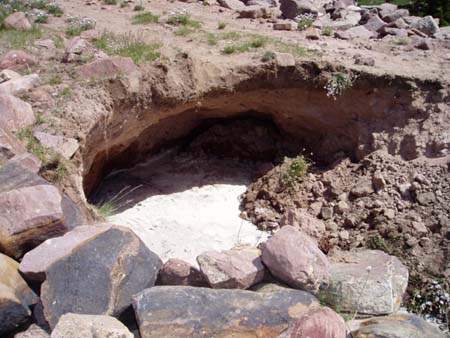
{"type": "Point", "coordinates": [183, 206]}
{"type": "Point", "coordinates": [185, 224]}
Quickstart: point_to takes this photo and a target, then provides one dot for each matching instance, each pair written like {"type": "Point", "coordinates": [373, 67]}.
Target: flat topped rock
{"type": "Point", "coordinates": [181, 311]}
{"type": "Point", "coordinates": [399, 326]}
{"type": "Point", "coordinates": [95, 271]}
{"type": "Point", "coordinates": [367, 281]}
{"type": "Point", "coordinates": [73, 325]}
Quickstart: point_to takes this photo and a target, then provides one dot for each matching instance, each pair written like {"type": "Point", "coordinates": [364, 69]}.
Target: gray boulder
{"type": "Point", "coordinates": [426, 25]}
{"type": "Point", "coordinates": [91, 270]}
{"type": "Point", "coordinates": [182, 312]}
{"type": "Point", "coordinates": [369, 282]}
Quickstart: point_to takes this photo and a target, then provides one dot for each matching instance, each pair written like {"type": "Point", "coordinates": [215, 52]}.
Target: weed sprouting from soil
{"type": "Point", "coordinates": [338, 84]}
{"type": "Point", "coordinates": [183, 19]}
{"type": "Point", "coordinates": [20, 39]}
{"type": "Point", "coordinates": [293, 170]}
{"type": "Point", "coordinates": [268, 56]}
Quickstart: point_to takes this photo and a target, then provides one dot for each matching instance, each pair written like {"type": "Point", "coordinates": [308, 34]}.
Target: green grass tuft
{"type": "Point", "coordinates": [183, 20]}
{"type": "Point", "coordinates": [145, 18]}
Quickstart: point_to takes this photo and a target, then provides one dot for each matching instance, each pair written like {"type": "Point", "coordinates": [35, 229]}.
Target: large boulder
{"type": "Point", "coordinates": [182, 312]}
{"type": "Point", "coordinates": [73, 325]}
{"type": "Point", "coordinates": [318, 322]}
{"type": "Point", "coordinates": [398, 326]}
{"type": "Point", "coordinates": [358, 32]}
{"type": "Point", "coordinates": [293, 8]}
{"type": "Point", "coordinates": [294, 258]}
{"type": "Point", "coordinates": [20, 85]}
{"type": "Point", "coordinates": [426, 25]}
{"type": "Point", "coordinates": [31, 210]}
{"type": "Point", "coordinates": [15, 296]}
{"type": "Point", "coordinates": [15, 114]}
{"type": "Point", "coordinates": [17, 21]}
{"type": "Point", "coordinates": [234, 5]}
{"type": "Point", "coordinates": [368, 282]}
{"type": "Point", "coordinates": [92, 270]}
{"type": "Point", "coordinates": [178, 272]}
{"type": "Point", "coordinates": [17, 59]}
{"type": "Point", "coordinates": [239, 268]}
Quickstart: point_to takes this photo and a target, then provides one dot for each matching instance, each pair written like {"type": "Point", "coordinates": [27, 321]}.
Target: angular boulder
{"type": "Point", "coordinates": [318, 322]}
{"type": "Point", "coordinates": [234, 5]}
{"type": "Point", "coordinates": [398, 326]}
{"type": "Point", "coordinates": [31, 210]}
{"type": "Point", "coordinates": [181, 311]}
{"type": "Point", "coordinates": [17, 21]}
{"type": "Point", "coordinates": [426, 25]}
{"type": "Point", "coordinates": [294, 258]}
{"type": "Point", "coordinates": [15, 114]}
{"type": "Point", "coordinates": [67, 147]}
{"type": "Point", "coordinates": [178, 272]}
{"type": "Point", "coordinates": [33, 331]}
{"type": "Point", "coordinates": [76, 48]}
{"type": "Point", "coordinates": [239, 268]}
{"type": "Point", "coordinates": [358, 32]}
{"type": "Point", "coordinates": [17, 59]}
{"type": "Point", "coordinates": [375, 24]}
{"type": "Point", "coordinates": [73, 325]}
{"type": "Point", "coordinates": [293, 8]}
{"type": "Point", "coordinates": [92, 270]}
{"type": "Point", "coordinates": [15, 296]}
{"type": "Point", "coordinates": [20, 85]}
{"type": "Point", "coordinates": [369, 282]}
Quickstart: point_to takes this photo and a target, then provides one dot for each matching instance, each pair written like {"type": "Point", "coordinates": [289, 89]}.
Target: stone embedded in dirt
{"type": "Point", "coordinates": [34, 331]}
{"type": "Point", "coordinates": [178, 272]}
{"type": "Point", "coordinates": [401, 33]}
{"type": "Point", "coordinates": [31, 209]}
{"type": "Point", "coordinates": [91, 35]}
{"type": "Point", "coordinates": [426, 25]}
{"type": "Point", "coordinates": [21, 85]}
{"type": "Point", "coordinates": [239, 268]}
{"type": "Point", "coordinates": [109, 67]}
{"type": "Point", "coordinates": [378, 180]}
{"type": "Point", "coordinates": [294, 258]}
{"type": "Point", "coordinates": [358, 32]}
{"type": "Point", "coordinates": [76, 49]}
{"type": "Point", "coordinates": [67, 147]}
{"type": "Point", "coordinates": [15, 296]}
{"type": "Point", "coordinates": [17, 59]}
{"type": "Point", "coordinates": [375, 24]}
{"type": "Point", "coordinates": [15, 114]}
{"type": "Point", "coordinates": [73, 325]}
{"type": "Point", "coordinates": [17, 21]}
{"type": "Point", "coordinates": [9, 146]}
{"type": "Point", "coordinates": [234, 5]}
{"type": "Point", "coordinates": [424, 44]}
{"type": "Point", "coordinates": [7, 74]}
{"type": "Point", "coordinates": [254, 12]}
{"type": "Point", "coordinates": [96, 271]}
{"type": "Point", "coordinates": [293, 8]}
{"type": "Point", "coordinates": [283, 26]}
{"type": "Point", "coordinates": [363, 187]}
{"type": "Point", "coordinates": [284, 60]}
{"type": "Point", "coordinates": [317, 322]}
{"type": "Point", "coordinates": [426, 198]}
{"type": "Point", "coordinates": [365, 61]}
{"type": "Point", "coordinates": [312, 33]}
{"type": "Point", "coordinates": [305, 222]}
{"type": "Point", "coordinates": [369, 282]}
{"type": "Point", "coordinates": [398, 326]}
{"type": "Point", "coordinates": [182, 312]}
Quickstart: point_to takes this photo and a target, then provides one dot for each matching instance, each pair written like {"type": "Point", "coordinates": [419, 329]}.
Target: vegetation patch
{"type": "Point", "coordinates": [145, 18]}
{"type": "Point", "coordinates": [338, 84]}
{"type": "Point", "coordinates": [129, 45]}
{"type": "Point", "coordinates": [256, 42]}
{"type": "Point", "coordinates": [183, 19]}
{"type": "Point", "coordinates": [13, 39]}
{"type": "Point", "coordinates": [293, 170]}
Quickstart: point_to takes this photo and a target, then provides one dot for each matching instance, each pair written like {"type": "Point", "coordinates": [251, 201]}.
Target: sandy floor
{"type": "Point", "coordinates": [181, 207]}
